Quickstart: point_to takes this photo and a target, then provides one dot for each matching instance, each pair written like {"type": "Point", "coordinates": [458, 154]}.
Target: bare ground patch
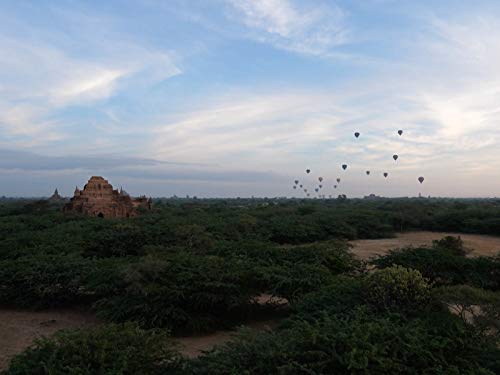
{"type": "Point", "coordinates": [18, 329]}
{"type": "Point", "coordinates": [194, 346]}
{"type": "Point", "coordinates": [477, 244]}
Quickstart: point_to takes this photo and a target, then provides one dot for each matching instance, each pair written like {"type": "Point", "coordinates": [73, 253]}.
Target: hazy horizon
{"type": "Point", "coordinates": [228, 98]}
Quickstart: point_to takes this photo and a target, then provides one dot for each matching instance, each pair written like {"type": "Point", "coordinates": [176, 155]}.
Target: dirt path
{"type": "Point", "coordinates": [479, 244]}
{"type": "Point", "coordinates": [18, 329]}
{"type": "Point", "coordinates": [194, 346]}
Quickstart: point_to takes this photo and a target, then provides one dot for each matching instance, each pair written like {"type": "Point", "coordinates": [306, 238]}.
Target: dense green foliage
{"type": "Point", "coordinates": [338, 330]}
{"type": "Point", "coordinates": [111, 349]}
{"type": "Point", "coordinates": [190, 268]}
{"type": "Point", "coordinates": [198, 265]}
{"type": "Point", "coordinates": [397, 288]}
{"type": "Point", "coordinates": [444, 267]}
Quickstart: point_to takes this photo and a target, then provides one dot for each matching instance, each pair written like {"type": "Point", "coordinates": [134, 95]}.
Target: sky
{"type": "Point", "coordinates": [227, 98]}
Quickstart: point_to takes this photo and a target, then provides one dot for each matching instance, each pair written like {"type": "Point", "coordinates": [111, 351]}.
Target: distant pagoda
{"type": "Point", "coordinates": [56, 198]}
{"type": "Point", "coordinates": [100, 200]}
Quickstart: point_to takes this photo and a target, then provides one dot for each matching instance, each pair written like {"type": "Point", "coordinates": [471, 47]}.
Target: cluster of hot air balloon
{"type": "Point", "coordinates": [344, 167]}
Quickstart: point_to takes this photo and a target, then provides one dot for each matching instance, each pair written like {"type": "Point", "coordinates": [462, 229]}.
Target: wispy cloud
{"type": "Point", "coordinates": [313, 29]}
{"type": "Point", "coordinates": [92, 82]}
{"type": "Point", "coordinates": [40, 77]}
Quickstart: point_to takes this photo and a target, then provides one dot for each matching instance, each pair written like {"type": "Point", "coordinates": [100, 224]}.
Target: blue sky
{"type": "Point", "coordinates": [239, 97]}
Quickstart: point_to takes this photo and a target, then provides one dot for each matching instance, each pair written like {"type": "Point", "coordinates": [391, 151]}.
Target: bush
{"type": "Point", "coordinates": [341, 296]}
{"type": "Point", "coordinates": [293, 272]}
{"type": "Point", "coordinates": [56, 280]}
{"type": "Point", "coordinates": [42, 281]}
{"type": "Point", "coordinates": [397, 288]}
{"type": "Point", "coordinates": [442, 267]}
{"type": "Point", "coordinates": [110, 349]}
{"type": "Point", "coordinates": [454, 244]}
{"type": "Point", "coordinates": [477, 306]}
{"type": "Point", "coordinates": [186, 293]}
{"type": "Point", "coordinates": [358, 343]}
{"type": "Point", "coordinates": [194, 237]}
{"type": "Point", "coordinates": [119, 241]}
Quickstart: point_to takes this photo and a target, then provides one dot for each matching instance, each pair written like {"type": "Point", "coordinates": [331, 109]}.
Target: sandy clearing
{"type": "Point", "coordinates": [193, 346]}
{"type": "Point", "coordinates": [18, 329]}
{"type": "Point", "coordinates": [478, 244]}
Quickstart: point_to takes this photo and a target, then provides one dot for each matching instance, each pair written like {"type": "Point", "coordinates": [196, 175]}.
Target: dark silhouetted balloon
{"type": "Point", "coordinates": [321, 186]}
{"type": "Point", "coordinates": [421, 179]}
{"type": "Point", "coordinates": [338, 180]}
{"type": "Point", "coordinates": [305, 190]}
{"type": "Point", "coordinates": [308, 194]}
{"type": "Point", "coordinates": [320, 179]}
{"type": "Point", "coordinates": [367, 173]}
{"type": "Point", "coordinates": [386, 174]}
{"type": "Point", "coordinates": [308, 171]}
{"type": "Point", "coordinates": [400, 132]}
{"type": "Point", "coordinates": [295, 187]}
{"type": "Point", "coordinates": [316, 190]}
{"type": "Point", "coordinates": [334, 186]}
{"type": "Point", "coordinates": [357, 134]}
{"type": "Point", "coordinates": [395, 157]}
{"type": "Point", "coordinates": [301, 186]}
{"type": "Point", "coordinates": [344, 166]}
{"type": "Point", "coordinates": [296, 182]}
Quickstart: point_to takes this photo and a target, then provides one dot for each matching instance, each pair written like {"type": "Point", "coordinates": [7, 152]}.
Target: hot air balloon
{"type": "Point", "coordinates": [386, 174]}
{"type": "Point", "coordinates": [367, 173]}
{"type": "Point", "coordinates": [321, 186]}
{"type": "Point", "coordinates": [338, 180]}
{"type": "Point", "coordinates": [308, 171]}
{"type": "Point", "coordinates": [296, 182]}
{"type": "Point", "coordinates": [301, 186]}
{"type": "Point", "coordinates": [400, 132]}
{"type": "Point", "coordinates": [305, 190]}
{"type": "Point", "coordinates": [357, 134]}
{"type": "Point", "coordinates": [344, 166]}
{"type": "Point", "coordinates": [395, 157]}
{"type": "Point", "coordinates": [308, 194]}
{"type": "Point", "coordinates": [334, 186]}
{"type": "Point", "coordinates": [320, 179]}
{"type": "Point", "coordinates": [295, 187]}
{"type": "Point", "coordinates": [316, 190]}
{"type": "Point", "coordinates": [421, 179]}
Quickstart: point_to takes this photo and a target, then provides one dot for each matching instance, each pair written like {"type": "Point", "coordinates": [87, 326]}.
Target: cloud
{"type": "Point", "coordinates": [28, 173]}
{"type": "Point", "coordinates": [40, 76]}
{"type": "Point", "coordinates": [314, 29]}
{"type": "Point", "coordinates": [249, 130]}
{"type": "Point", "coordinates": [28, 161]}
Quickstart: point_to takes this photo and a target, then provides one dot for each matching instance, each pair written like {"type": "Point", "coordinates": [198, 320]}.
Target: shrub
{"type": "Point", "coordinates": [397, 288]}
{"type": "Point", "coordinates": [453, 244]}
{"type": "Point", "coordinates": [110, 349]}
{"type": "Point", "coordinates": [295, 271]}
{"type": "Point", "coordinates": [341, 296]}
{"type": "Point", "coordinates": [42, 281]}
{"type": "Point", "coordinates": [194, 237]}
{"type": "Point", "coordinates": [442, 267]}
{"type": "Point", "coordinates": [119, 241]}
{"type": "Point", "coordinates": [186, 293]}
{"type": "Point", "coordinates": [358, 343]}
{"type": "Point", "coordinates": [478, 306]}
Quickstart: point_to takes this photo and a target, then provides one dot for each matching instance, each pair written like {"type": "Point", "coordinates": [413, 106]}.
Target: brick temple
{"type": "Point", "coordinates": [99, 199]}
